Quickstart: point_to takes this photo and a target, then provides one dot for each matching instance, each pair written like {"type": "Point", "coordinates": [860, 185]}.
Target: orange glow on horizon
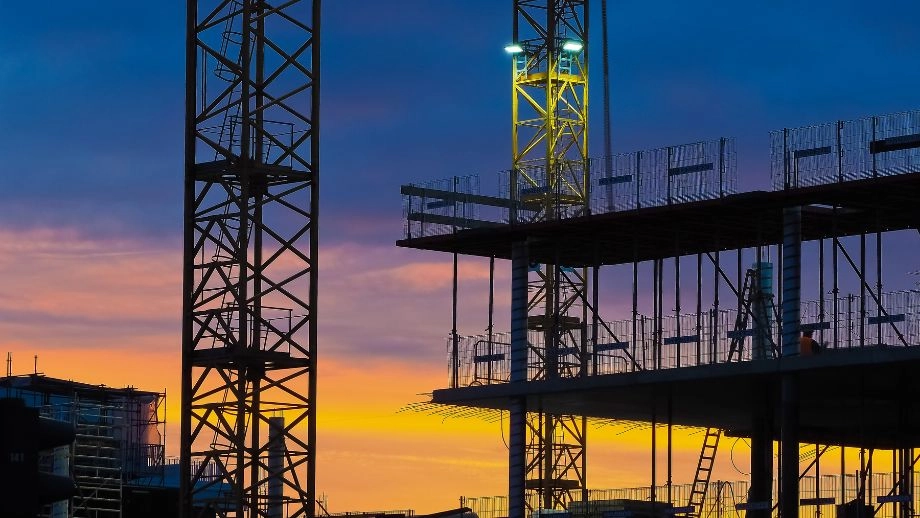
{"type": "Point", "coordinates": [109, 313]}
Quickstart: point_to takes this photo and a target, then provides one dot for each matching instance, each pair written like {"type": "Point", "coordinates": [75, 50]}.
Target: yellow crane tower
{"type": "Point", "coordinates": [549, 181]}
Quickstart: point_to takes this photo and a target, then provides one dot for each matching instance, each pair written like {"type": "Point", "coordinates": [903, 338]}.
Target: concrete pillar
{"type": "Point", "coordinates": [519, 272]}
{"type": "Point", "coordinates": [275, 464]}
{"type": "Point", "coordinates": [517, 439]}
{"type": "Point", "coordinates": [518, 409]}
{"type": "Point", "coordinates": [789, 448]}
{"type": "Point", "coordinates": [792, 279]}
{"type": "Point", "coordinates": [789, 404]}
{"type": "Point", "coordinates": [763, 316]}
{"type": "Point", "coordinates": [761, 452]}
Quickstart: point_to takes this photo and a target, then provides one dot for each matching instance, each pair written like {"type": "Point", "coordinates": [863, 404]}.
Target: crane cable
{"type": "Point", "coordinates": [607, 136]}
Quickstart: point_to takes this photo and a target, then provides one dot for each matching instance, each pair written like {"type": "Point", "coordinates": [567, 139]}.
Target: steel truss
{"type": "Point", "coordinates": [249, 300]}
{"type": "Point", "coordinates": [549, 179]}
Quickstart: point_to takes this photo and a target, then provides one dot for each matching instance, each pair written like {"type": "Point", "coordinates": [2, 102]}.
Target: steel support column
{"type": "Point", "coordinates": [761, 451]}
{"type": "Point", "coordinates": [789, 404]}
{"type": "Point", "coordinates": [517, 422]}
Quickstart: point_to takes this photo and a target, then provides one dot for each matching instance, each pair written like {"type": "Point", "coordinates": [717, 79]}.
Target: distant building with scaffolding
{"type": "Point", "coordinates": [119, 446]}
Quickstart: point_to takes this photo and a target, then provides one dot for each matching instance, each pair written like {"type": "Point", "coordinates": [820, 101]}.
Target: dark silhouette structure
{"type": "Point", "coordinates": [250, 295]}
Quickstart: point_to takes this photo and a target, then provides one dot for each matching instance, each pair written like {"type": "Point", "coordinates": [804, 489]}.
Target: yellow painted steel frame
{"type": "Point", "coordinates": [550, 178]}
{"type": "Point", "coordinates": [550, 123]}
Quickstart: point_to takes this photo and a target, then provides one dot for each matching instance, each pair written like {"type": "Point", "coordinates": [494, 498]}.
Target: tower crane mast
{"type": "Point", "coordinates": [248, 425]}
{"type": "Point", "coordinates": [549, 181]}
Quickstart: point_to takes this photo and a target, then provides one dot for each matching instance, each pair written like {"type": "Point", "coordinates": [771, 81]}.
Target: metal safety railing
{"type": "Point", "coordinates": [642, 343]}
{"type": "Point", "coordinates": [440, 206]}
{"type": "Point", "coordinates": [663, 176]}
{"type": "Point", "coordinates": [842, 151]}
{"type": "Point", "coordinates": [723, 498]}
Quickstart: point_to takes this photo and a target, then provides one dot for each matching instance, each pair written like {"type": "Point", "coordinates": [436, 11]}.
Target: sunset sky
{"type": "Point", "coordinates": [91, 191]}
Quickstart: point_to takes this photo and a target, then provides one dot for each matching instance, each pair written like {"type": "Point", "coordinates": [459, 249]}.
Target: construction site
{"type": "Point", "coordinates": [648, 290]}
{"type": "Point", "coordinates": [763, 315]}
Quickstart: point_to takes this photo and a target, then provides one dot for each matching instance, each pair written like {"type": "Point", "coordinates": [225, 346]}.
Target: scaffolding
{"type": "Point", "coordinates": [120, 440]}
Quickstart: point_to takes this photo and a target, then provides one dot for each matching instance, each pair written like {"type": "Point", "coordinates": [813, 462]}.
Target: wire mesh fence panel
{"type": "Point", "coordinates": [689, 340]}
{"type": "Point", "coordinates": [883, 145]}
{"type": "Point", "coordinates": [572, 188]}
{"type": "Point", "coordinates": [440, 207]}
{"type": "Point", "coordinates": [663, 176]}
{"type": "Point", "coordinates": [845, 322]}
{"type": "Point", "coordinates": [616, 348]}
{"type": "Point", "coordinates": [723, 497]}
{"type": "Point", "coordinates": [484, 360]}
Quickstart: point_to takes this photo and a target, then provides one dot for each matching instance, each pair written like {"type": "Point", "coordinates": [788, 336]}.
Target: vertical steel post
{"type": "Point", "coordinates": [654, 485]}
{"type": "Point", "coordinates": [668, 173]}
{"type": "Point", "coordinates": [677, 306]}
{"type": "Point", "coordinates": [454, 338]}
{"type": "Point", "coordinates": [835, 290]}
{"type": "Point", "coordinates": [862, 289]}
{"type": "Point", "coordinates": [843, 472]}
{"type": "Point", "coordinates": [635, 304]}
{"type": "Point", "coordinates": [821, 315]}
{"type": "Point", "coordinates": [596, 272]}
{"type": "Point", "coordinates": [491, 328]}
{"type": "Point", "coordinates": [721, 167]}
{"type": "Point", "coordinates": [817, 480]}
{"type": "Point", "coordinates": [670, 449]}
{"type": "Point", "coordinates": [715, 305]}
{"type": "Point", "coordinates": [316, 56]}
{"type": "Point", "coordinates": [839, 152]}
{"type": "Point", "coordinates": [638, 178]}
{"type": "Point", "coordinates": [792, 278]}
{"type": "Point", "coordinates": [878, 279]}
{"type": "Point", "coordinates": [699, 308]}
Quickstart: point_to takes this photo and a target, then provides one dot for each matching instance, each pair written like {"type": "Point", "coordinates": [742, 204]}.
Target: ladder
{"type": "Point", "coordinates": [749, 293]}
{"type": "Point", "coordinates": [741, 319]}
{"type": "Point", "coordinates": [703, 471]}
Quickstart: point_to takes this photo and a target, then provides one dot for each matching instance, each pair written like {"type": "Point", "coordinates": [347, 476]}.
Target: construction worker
{"type": "Point", "coordinates": [807, 345]}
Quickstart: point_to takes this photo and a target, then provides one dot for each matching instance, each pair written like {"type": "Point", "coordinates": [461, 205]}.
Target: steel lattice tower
{"type": "Point", "coordinates": [250, 273]}
{"type": "Point", "coordinates": [549, 180]}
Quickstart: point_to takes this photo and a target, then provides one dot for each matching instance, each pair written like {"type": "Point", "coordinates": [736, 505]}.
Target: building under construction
{"type": "Point", "coordinates": [119, 445]}
{"type": "Point", "coordinates": [646, 288]}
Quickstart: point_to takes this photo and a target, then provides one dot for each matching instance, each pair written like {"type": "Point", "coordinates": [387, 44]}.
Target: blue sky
{"type": "Point", "coordinates": [91, 98]}
{"type": "Point", "coordinates": [91, 183]}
